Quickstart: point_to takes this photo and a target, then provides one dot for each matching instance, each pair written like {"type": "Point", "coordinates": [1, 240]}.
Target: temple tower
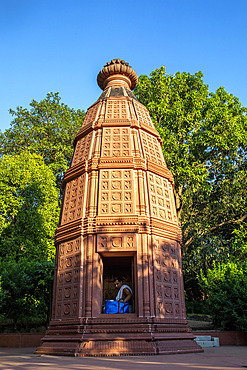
{"type": "Point", "coordinates": [118, 216]}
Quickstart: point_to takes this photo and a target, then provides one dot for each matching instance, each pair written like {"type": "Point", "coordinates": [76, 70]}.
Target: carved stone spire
{"type": "Point", "coordinates": [118, 217]}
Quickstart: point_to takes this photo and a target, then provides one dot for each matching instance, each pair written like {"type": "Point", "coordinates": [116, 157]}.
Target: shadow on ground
{"type": "Point", "coordinates": [229, 358]}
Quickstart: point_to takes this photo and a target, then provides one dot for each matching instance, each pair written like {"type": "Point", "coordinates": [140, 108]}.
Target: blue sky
{"type": "Point", "coordinates": [61, 45]}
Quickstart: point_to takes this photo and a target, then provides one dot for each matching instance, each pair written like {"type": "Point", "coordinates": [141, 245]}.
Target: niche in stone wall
{"type": "Point", "coordinates": [113, 267]}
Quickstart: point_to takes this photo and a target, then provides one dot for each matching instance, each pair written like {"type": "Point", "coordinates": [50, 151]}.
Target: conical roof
{"type": "Point", "coordinates": [118, 106]}
{"type": "Point", "coordinates": [118, 134]}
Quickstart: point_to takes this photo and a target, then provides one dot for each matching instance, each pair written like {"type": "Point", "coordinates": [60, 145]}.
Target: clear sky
{"type": "Point", "coordinates": [61, 45]}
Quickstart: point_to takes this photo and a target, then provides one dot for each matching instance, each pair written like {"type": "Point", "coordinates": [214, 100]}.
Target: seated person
{"type": "Point", "coordinates": [125, 292]}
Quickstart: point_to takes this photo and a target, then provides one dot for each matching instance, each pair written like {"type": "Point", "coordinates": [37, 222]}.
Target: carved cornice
{"type": "Point", "coordinates": [75, 171]}
{"type": "Point", "coordinates": [84, 130]}
{"type": "Point", "coordinates": [165, 229]}
{"type": "Point", "coordinates": [164, 324]}
{"type": "Point", "coordinates": [150, 130]}
{"type": "Point", "coordinates": [127, 122]}
{"type": "Point", "coordinates": [160, 170]}
{"type": "Point", "coordinates": [116, 224]}
{"type": "Point", "coordinates": [69, 231]}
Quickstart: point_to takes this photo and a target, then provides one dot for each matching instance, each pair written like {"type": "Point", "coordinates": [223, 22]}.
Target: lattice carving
{"type": "Point", "coordinates": [117, 109]}
{"type": "Point", "coordinates": [82, 149]}
{"type": "Point", "coordinates": [116, 142]}
{"type": "Point", "coordinates": [116, 192]}
{"type": "Point", "coordinates": [160, 197]}
{"type": "Point", "coordinates": [69, 261]}
{"type": "Point", "coordinates": [167, 276]}
{"type": "Point", "coordinates": [143, 114]}
{"type": "Point", "coordinates": [91, 115]}
{"type": "Point", "coordinates": [152, 148]}
{"type": "Point", "coordinates": [74, 199]}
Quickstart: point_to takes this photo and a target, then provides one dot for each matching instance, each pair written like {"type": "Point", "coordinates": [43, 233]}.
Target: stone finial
{"type": "Point", "coordinates": [117, 72]}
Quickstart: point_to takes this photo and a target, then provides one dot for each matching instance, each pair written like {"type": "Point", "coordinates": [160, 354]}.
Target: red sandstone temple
{"type": "Point", "coordinates": [118, 217]}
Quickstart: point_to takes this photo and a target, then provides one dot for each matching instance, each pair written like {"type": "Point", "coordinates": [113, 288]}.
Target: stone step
{"type": "Point", "coordinates": [207, 341]}
{"type": "Point", "coordinates": [204, 337]}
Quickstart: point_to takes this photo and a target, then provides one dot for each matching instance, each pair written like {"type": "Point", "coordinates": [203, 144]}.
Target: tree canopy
{"type": "Point", "coordinates": [204, 143]}
{"type": "Point", "coordinates": [29, 208]}
{"type": "Point", "coordinates": [35, 153]}
{"type": "Point", "coordinates": [29, 213]}
{"type": "Point", "coordinates": [226, 287]}
{"type": "Point", "coordinates": [48, 128]}
{"type": "Point", "coordinates": [26, 292]}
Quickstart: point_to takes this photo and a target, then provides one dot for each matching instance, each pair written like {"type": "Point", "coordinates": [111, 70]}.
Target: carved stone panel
{"type": "Point", "coordinates": [91, 114]}
{"type": "Point", "coordinates": [73, 200]}
{"type": "Point", "coordinates": [143, 114]}
{"type": "Point", "coordinates": [82, 149]}
{"type": "Point", "coordinates": [117, 110]}
{"type": "Point", "coordinates": [69, 261]}
{"type": "Point", "coordinates": [160, 197]}
{"type": "Point", "coordinates": [116, 192]}
{"type": "Point", "coordinates": [152, 148]}
{"type": "Point", "coordinates": [116, 142]}
{"type": "Point", "coordinates": [168, 278]}
{"type": "Point", "coordinates": [116, 242]}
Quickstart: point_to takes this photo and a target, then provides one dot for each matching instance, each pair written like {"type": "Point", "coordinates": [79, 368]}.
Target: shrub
{"type": "Point", "coordinates": [225, 286]}
{"type": "Point", "coordinates": [26, 290]}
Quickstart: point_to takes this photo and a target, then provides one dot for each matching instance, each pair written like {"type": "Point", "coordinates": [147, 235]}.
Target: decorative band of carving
{"type": "Point", "coordinates": [116, 242]}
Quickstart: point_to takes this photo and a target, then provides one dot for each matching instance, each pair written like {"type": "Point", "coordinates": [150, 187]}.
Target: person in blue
{"type": "Point", "coordinates": [124, 291]}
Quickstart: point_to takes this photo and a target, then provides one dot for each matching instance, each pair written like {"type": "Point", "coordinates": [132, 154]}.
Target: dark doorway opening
{"type": "Point", "coordinates": [113, 267]}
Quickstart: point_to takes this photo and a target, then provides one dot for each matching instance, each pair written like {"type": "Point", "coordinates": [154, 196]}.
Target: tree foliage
{"type": "Point", "coordinates": [29, 214]}
{"type": "Point", "coordinates": [29, 208]}
{"type": "Point", "coordinates": [204, 143]}
{"type": "Point", "coordinates": [25, 290]}
{"type": "Point", "coordinates": [47, 129]}
{"type": "Point", "coordinates": [225, 286]}
{"type": "Point", "coordinates": [35, 153]}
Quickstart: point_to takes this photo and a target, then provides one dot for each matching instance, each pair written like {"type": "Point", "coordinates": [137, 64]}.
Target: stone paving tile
{"type": "Point", "coordinates": [228, 358]}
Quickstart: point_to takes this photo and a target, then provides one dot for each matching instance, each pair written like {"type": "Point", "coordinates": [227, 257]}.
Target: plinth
{"type": "Point", "coordinates": [118, 216]}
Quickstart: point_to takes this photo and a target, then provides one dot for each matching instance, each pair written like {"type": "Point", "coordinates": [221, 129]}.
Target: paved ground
{"type": "Point", "coordinates": [218, 358]}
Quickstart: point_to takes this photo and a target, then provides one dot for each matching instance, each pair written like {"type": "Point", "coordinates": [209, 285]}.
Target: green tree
{"type": "Point", "coordinates": [29, 208]}
{"type": "Point", "coordinates": [204, 143]}
{"type": "Point", "coordinates": [225, 286]}
{"type": "Point", "coordinates": [47, 129]}
{"type": "Point", "coordinates": [35, 153]}
{"type": "Point", "coordinates": [26, 291]}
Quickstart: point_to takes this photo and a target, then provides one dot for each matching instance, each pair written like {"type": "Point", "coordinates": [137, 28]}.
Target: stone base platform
{"type": "Point", "coordinates": [118, 337]}
{"type": "Point", "coordinates": [25, 340]}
